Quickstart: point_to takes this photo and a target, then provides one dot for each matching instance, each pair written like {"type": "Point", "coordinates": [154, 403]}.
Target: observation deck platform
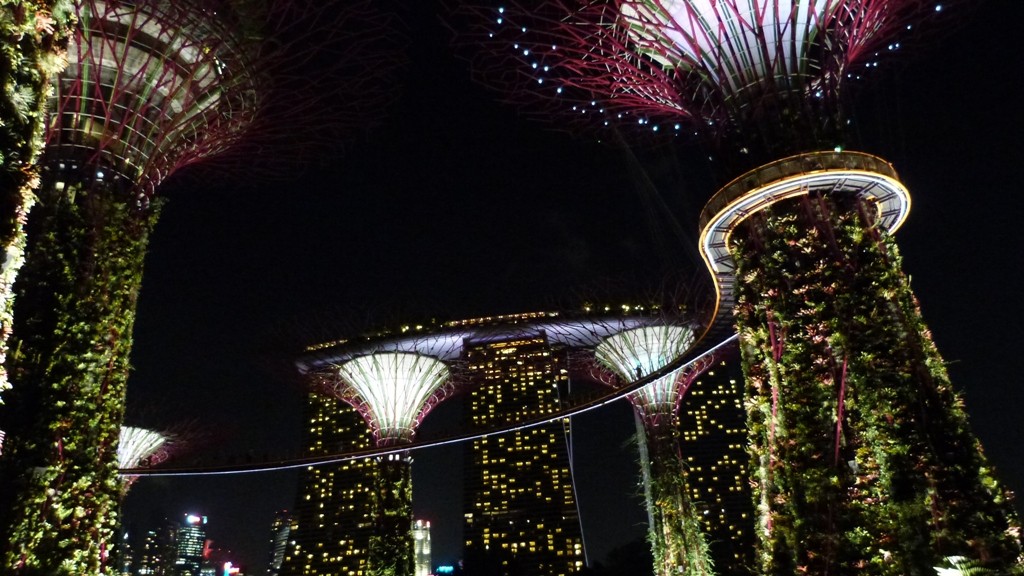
{"type": "Point", "coordinates": [869, 177]}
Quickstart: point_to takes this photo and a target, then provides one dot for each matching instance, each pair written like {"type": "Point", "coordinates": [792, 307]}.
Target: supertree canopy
{"type": "Point", "coordinates": [393, 391]}
{"type": "Point", "coordinates": [149, 87]}
{"type": "Point", "coordinates": [863, 459]}
{"type": "Point", "coordinates": [138, 446]}
{"type": "Point", "coordinates": [756, 79]}
{"type": "Point", "coordinates": [634, 353]}
{"type": "Point", "coordinates": [677, 539]}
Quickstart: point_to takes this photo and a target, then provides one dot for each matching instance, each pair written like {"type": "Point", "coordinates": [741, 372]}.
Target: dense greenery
{"type": "Point", "coordinates": [863, 459]}
{"type": "Point", "coordinates": [32, 40]}
{"type": "Point", "coordinates": [74, 314]}
{"type": "Point", "coordinates": [391, 545]}
{"type": "Point", "coordinates": [676, 533]}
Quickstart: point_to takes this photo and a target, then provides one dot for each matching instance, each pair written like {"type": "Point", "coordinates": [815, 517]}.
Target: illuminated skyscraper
{"type": "Point", "coordinates": [191, 539]}
{"type": "Point", "coordinates": [280, 530]}
{"type": "Point", "coordinates": [158, 551]}
{"type": "Point", "coordinates": [520, 508]}
{"type": "Point", "coordinates": [332, 519]}
{"type": "Point", "coordinates": [421, 547]}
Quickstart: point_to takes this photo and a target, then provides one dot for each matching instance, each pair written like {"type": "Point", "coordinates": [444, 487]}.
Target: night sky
{"type": "Point", "coordinates": [454, 207]}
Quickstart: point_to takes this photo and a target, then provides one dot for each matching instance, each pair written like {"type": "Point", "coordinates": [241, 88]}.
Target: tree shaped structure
{"type": "Point", "coordinates": [677, 539]}
{"type": "Point", "coordinates": [149, 87]}
{"type": "Point", "coordinates": [393, 391]}
{"type": "Point", "coordinates": [864, 459]}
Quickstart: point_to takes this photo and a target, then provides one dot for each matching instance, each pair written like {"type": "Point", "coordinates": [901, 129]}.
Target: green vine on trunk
{"type": "Point", "coordinates": [74, 315]}
{"type": "Point", "coordinates": [676, 533]}
{"type": "Point", "coordinates": [33, 37]}
{"type": "Point", "coordinates": [864, 461]}
{"type": "Point", "coordinates": [391, 545]}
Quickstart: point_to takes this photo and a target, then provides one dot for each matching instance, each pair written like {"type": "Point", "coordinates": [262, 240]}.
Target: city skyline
{"type": "Point", "coordinates": [932, 225]}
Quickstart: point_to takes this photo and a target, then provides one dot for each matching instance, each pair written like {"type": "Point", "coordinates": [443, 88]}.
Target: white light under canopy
{"type": "Point", "coordinates": [137, 444]}
{"type": "Point", "coordinates": [635, 353]}
{"type": "Point", "coordinates": [393, 390]}
{"type": "Point", "coordinates": [738, 43]}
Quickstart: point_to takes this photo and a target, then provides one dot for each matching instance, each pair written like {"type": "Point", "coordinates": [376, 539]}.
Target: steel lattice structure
{"type": "Point", "coordinates": [713, 68]}
{"type": "Point", "coordinates": [851, 413]}
{"type": "Point", "coordinates": [393, 391]}
{"type": "Point", "coordinates": [140, 447]}
{"type": "Point", "coordinates": [138, 444]}
{"type": "Point", "coordinates": [150, 86]}
{"type": "Point", "coordinates": [148, 91]}
{"type": "Point", "coordinates": [632, 353]}
{"type": "Point", "coordinates": [675, 533]}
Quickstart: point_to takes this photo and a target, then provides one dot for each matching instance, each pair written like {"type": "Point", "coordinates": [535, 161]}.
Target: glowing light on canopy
{"type": "Point", "coordinates": [634, 353]}
{"type": "Point", "coordinates": [741, 42]}
{"type": "Point", "coordinates": [393, 391]}
{"type": "Point", "coordinates": [137, 444]}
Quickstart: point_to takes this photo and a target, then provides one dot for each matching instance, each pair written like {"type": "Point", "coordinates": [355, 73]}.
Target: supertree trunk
{"type": "Point", "coordinates": [676, 534]}
{"type": "Point", "coordinates": [863, 459]}
{"type": "Point", "coordinates": [391, 545]}
{"type": "Point", "coordinates": [32, 39]}
{"type": "Point", "coordinates": [70, 363]}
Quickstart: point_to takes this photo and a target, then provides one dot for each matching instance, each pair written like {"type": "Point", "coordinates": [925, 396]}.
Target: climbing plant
{"type": "Point", "coordinates": [676, 534]}
{"type": "Point", "coordinates": [391, 544]}
{"type": "Point", "coordinates": [863, 459]}
{"type": "Point", "coordinates": [33, 37]}
{"type": "Point", "coordinates": [70, 362]}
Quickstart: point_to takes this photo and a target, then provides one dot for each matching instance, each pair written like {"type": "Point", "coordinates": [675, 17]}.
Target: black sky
{"type": "Point", "coordinates": [454, 207]}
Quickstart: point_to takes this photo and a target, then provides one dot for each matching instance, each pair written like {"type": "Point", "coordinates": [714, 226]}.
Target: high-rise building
{"type": "Point", "coordinates": [421, 547]}
{"type": "Point", "coordinates": [191, 540]}
{"type": "Point", "coordinates": [713, 438]}
{"type": "Point", "coordinates": [332, 521]}
{"type": "Point", "coordinates": [158, 551]}
{"type": "Point", "coordinates": [279, 532]}
{"type": "Point", "coordinates": [149, 555]}
{"type": "Point", "coordinates": [520, 507]}
{"type": "Point", "coordinates": [124, 555]}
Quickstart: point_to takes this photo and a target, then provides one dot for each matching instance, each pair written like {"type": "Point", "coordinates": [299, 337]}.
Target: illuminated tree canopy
{"type": "Point", "coordinates": [631, 354]}
{"type": "Point", "coordinates": [138, 444]}
{"type": "Point", "coordinates": [723, 70]}
{"type": "Point", "coordinates": [149, 87]}
{"type": "Point", "coordinates": [393, 391]}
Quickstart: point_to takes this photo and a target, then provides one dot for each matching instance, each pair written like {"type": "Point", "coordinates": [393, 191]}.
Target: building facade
{"type": "Point", "coordinates": [191, 541]}
{"type": "Point", "coordinates": [421, 547]}
{"type": "Point", "coordinates": [332, 520]}
{"type": "Point", "coordinates": [520, 508]}
{"type": "Point", "coordinates": [280, 531]}
{"type": "Point", "coordinates": [712, 424]}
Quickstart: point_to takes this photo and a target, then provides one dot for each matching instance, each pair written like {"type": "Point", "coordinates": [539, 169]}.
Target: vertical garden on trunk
{"type": "Point", "coordinates": [70, 360]}
{"type": "Point", "coordinates": [863, 458]}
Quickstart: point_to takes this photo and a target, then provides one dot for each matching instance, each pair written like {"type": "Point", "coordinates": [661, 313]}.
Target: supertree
{"type": "Point", "coordinates": [149, 87]}
{"type": "Point", "coordinates": [864, 461]}
{"type": "Point", "coordinates": [393, 391]}
{"type": "Point", "coordinates": [676, 535]}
